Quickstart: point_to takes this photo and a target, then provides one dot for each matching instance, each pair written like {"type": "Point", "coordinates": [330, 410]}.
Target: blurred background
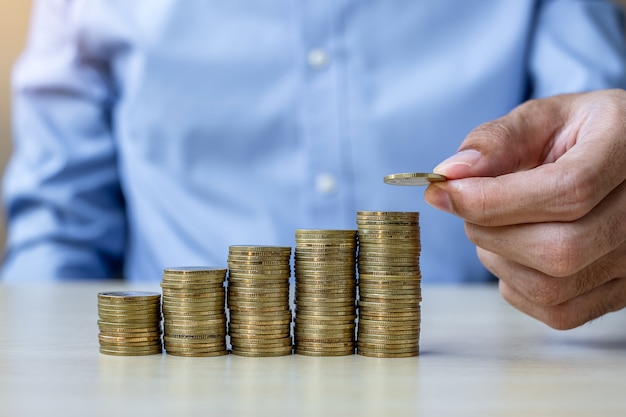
{"type": "Point", "coordinates": [13, 27]}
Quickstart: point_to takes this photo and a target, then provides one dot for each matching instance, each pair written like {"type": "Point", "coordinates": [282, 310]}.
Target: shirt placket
{"type": "Point", "coordinates": [321, 114]}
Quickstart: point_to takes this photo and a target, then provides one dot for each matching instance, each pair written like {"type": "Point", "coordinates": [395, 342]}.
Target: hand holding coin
{"type": "Point", "coordinates": [542, 191]}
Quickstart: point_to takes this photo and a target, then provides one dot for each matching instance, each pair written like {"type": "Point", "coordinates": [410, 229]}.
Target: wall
{"type": "Point", "coordinates": [13, 23]}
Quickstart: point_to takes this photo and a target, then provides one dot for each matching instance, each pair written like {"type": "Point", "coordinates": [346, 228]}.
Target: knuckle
{"type": "Point", "coordinates": [546, 292]}
{"type": "Point", "coordinates": [497, 130]}
{"type": "Point", "coordinates": [564, 254]}
{"type": "Point", "coordinates": [575, 195]}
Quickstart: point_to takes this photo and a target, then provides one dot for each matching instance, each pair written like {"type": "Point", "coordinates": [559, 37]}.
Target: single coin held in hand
{"type": "Point", "coordinates": [414, 178]}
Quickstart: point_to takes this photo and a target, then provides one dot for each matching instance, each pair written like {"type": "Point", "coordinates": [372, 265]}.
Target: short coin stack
{"type": "Point", "coordinates": [325, 270]}
{"type": "Point", "coordinates": [194, 311]}
{"type": "Point", "coordinates": [258, 300]}
{"type": "Point", "coordinates": [389, 284]}
{"type": "Point", "coordinates": [129, 322]}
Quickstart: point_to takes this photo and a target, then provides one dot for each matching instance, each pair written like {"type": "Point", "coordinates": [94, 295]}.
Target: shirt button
{"type": "Point", "coordinates": [326, 184]}
{"type": "Point", "coordinates": [318, 58]}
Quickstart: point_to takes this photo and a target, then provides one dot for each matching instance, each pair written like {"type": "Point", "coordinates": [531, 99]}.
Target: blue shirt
{"type": "Point", "coordinates": [156, 133]}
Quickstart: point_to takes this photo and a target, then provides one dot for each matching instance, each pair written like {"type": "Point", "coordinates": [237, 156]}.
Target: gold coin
{"type": "Point", "coordinates": [324, 321]}
{"type": "Point", "coordinates": [306, 285]}
{"type": "Point", "coordinates": [206, 302]}
{"type": "Point", "coordinates": [390, 315]}
{"type": "Point", "coordinates": [194, 347]}
{"type": "Point", "coordinates": [308, 250]}
{"type": "Point", "coordinates": [397, 230]}
{"type": "Point", "coordinates": [328, 312]}
{"type": "Point", "coordinates": [137, 349]}
{"type": "Point", "coordinates": [252, 272]}
{"type": "Point", "coordinates": [129, 318]}
{"type": "Point", "coordinates": [194, 270]}
{"type": "Point", "coordinates": [129, 296]}
{"type": "Point", "coordinates": [382, 294]}
{"type": "Point", "coordinates": [253, 295]}
{"type": "Point", "coordinates": [283, 352]}
{"type": "Point", "coordinates": [414, 178]}
{"type": "Point", "coordinates": [108, 351]}
{"type": "Point", "coordinates": [389, 355]}
{"type": "Point", "coordinates": [390, 285]}
{"type": "Point", "coordinates": [327, 345]}
{"type": "Point", "coordinates": [247, 284]}
{"type": "Point", "coordinates": [255, 309]}
{"type": "Point", "coordinates": [261, 329]}
{"type": "Point", "coordinates": [110, 344]}
{"type": "Point", "coordinates": [170, 288]}
{"type": "Point", "coordinates": [217, 291]}
{"type": "Point", "coordinates": [322, 352]}
{"type": "Point", "coordinates": [242, 323]}
{"type": "Point", "coordinates": [389, 280]}
{"type": "Point", "coordinates": [251, 343]}
{"type": "Point", "coordinates": [387, 216]}
{"type": "Point", "coordinates": [390, 298]}
{"type": "Point", "coordinates": [309, 333]}
{"type": "Point", "coordinates": [389, 325]}
{"type": "Point", "coordinates": [208, 322]}
{"type": "Point", "coordinates": [329, 232]}
{"type": "Point", "coordinates": [197, 337]}
{"type": "Point", "coordinates": [214, 304]}
{"type": "Point", "coordinates": [129, 305]}
{"type": "Point", "coordinates": [199, 354]}
{"type": "Point", "coordinates": [194, 318]}
{"type": "Point", "coordinates": [305, 325]}
{"type": "Point", "coordinates": [325, 338]}
{"type": "Point", "coordinates": [141, 327]}
{"type": "Point", "coordinates": [195, 326]}
{"type": "Point", "coordinates": [388, 335]}
{"type": "Point", "coordinates": [130, 337]}
{"type": "Point", "coordinates": [305, 352]}
{"type": "Point", "coordinates": [389, 306]}
{"type": "Point", "coordinates": [199, 330]}
{"type": "Point", "coordinates": [253, 250]}
{"type": "Point", "coordinates": [179, 343]}
{"type": "Point", "coordinates": [385, 349]}
{"type": "Point", "coordinates": [258, 330]}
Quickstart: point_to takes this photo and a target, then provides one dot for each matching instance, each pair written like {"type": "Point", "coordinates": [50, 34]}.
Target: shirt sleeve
{"type": "Point", "coordinates": [64, 206]}
{"type": "Point", "coordinates": [578, 45]}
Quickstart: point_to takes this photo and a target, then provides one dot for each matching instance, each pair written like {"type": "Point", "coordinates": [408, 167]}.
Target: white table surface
{"type": "Point", "coordinates": [479, 357]}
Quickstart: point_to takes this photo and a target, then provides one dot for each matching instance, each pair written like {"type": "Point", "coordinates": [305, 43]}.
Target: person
{"type": "Point", "coordinates": [542, 191]}
{"type": "Point", "coordinates": [156, 135]}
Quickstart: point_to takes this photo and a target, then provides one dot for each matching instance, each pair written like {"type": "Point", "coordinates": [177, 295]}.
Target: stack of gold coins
{"type": "Point", "coordinates": [325, 271]}
{"type": "Point", "coordinates": [194, 314]}
{"type": "Point", "coordinates": [258, 300]}
{"type": "Point", "coordinates": [389, 284]}
{"type": "Point", "coordinates": [129, 322]}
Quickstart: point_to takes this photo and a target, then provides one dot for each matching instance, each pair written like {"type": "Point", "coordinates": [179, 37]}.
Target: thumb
{"type": "Point", "coordinates": [515, 142]}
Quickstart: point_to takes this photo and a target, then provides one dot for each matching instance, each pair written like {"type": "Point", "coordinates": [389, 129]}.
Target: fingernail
{"type": "Point", "coordinates": [438, 198]}
{"type": "Point", "coordinates": [458, 164]}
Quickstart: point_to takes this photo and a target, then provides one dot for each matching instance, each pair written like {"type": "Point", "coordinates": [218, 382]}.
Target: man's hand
{"type": "Point", "coordinates": [542, 191]}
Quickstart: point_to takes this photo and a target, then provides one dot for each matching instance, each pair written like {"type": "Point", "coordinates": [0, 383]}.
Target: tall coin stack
{"type": "Point", "coordinates": [389, 284]}
{"type": "Point", "coordinates": [258, 300]}
{"type": "Point", "coordinates": [325, 271]}
{"type": "Point", "coordinates": [194, 313]}
{"type": "Point", "coordinates": [129, 323]}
